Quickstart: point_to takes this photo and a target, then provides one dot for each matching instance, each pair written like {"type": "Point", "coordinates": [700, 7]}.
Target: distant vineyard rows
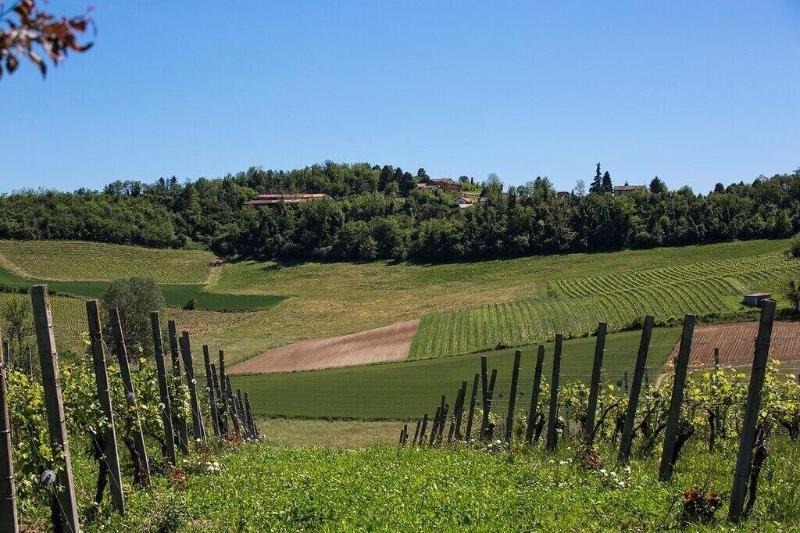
{"type": "Point", "coordinates": [705, 289]}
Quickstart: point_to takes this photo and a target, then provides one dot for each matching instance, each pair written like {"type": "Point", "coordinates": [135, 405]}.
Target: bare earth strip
{"type": "Point", "coordinates": [389, 343]}
{"type": "Point", "coordinates": [736, 343]}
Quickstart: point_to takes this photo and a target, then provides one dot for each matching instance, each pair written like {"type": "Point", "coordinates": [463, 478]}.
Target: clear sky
{"type": "Point", "coordinates": [694, 92]}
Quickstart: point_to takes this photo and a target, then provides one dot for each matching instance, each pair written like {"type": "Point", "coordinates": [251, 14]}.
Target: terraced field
{"type": "Point", "coordinates": [706, 289]}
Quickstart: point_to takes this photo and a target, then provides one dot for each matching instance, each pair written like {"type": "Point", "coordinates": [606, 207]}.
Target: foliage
{"type": "Point", "coordinates": [377, 212]}
{"type": "Point", "coordinates": [55, 36]}
{"type": "Point", "coordinates": [135, 298]}
{"type": "Point", "coordinates": [794, 246]}
{"type": "Point", "coordinates": [793, 293]}
{"type": "Point", "coordinates": [16, 314]}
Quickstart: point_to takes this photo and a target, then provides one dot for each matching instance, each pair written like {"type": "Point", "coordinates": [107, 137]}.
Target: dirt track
{"type": "Point", "coordinates": [389, 343]}
{"type": "Point", "coordinates": [736, 343]}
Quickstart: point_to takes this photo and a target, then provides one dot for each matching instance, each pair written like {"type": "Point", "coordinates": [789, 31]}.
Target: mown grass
{"type": "Point", "coordinates": [408, 389]}
{"type": "Point", "coordinates": [89, 261]}
{"type": "Point", "coordinates": [267, 487]}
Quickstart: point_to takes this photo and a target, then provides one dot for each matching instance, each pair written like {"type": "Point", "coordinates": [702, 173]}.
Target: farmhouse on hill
{"type": "Point", "coordinates": [626, 190]}
{"type": "Point", "coordinates": [286, 198]}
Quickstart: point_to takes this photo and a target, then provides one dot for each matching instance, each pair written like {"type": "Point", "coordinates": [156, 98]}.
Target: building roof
{"type": "Point", "coordinates": [628, 188]}
{"type": "Point", "coordinates": [287, 198]}
{"type": "Point", "coordinates": [758, 294]}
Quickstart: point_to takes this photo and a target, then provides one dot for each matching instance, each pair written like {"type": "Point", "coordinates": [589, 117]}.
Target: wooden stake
{"type": "Point", "coordinates": [221, 402]}
{"type": "Point", "coordinates": [636, 387]}
{"type": "Point", "coordinates": [512, 396]}
{"type": "Point", "coordinates": [537, 386]}
{"type": "Point", "coordinates": [166, 405]}
{"type": "Point", "coordinates": [8, 507]}
{"type": "Point", "coordinates": [66, 514]}
{"type": "Point", "coordinates": [422, 429]}
{"type": "Point", "coordinates": [462, 396]}
{"type": "Point", "coordinates": [747, 435]}
{"type": "Point", "coordinates": [139, 452]}
{"type": "Point", "coordinates": [222, 393]}
{"type": "Point", "coordinates": [594, 385]}
{"type": "Point", "coordinates": [552, 438]}
{"type": "Point", "coordinates": [198, 431]}
{"type": "Point", "coordinates": [416, 431]}
{"type": "Point", "coordinates": [248, 410]}
{"type": "Point", "coordinates": [179, 415]}
{"type": "Point", "coordinates": [674, 416]}
{"type": "Point", "coordinates": [8, 357]}
{"type": "Point", "coordinates": [212, 397]}
{"type": "Point", "coordinates": [110, 451]}
{"type": "Point", "coordinates": [471, 412]}
{"type": "Point", "coordinates": [435, 426]}
{"type": "Point", "coordinates": [235, 415]}
{"type": "Point", "coordinates": [484, 396]}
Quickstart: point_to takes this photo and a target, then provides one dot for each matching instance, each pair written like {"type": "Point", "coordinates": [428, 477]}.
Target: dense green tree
{"type": "Point", "coordinates": [135, 298]}
{"type": "Point", "coordinates": [657, 186]}
{"type": "Point", "coordinates": [606, 184]}
{"type": "Point", "coordinates": [597, 182]}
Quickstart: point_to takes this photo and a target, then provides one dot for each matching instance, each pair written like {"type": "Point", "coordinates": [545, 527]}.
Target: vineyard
{"type": "Point", "coordinates": [709, 289]}
{"type": "Point", "coordinates": [550, 451]}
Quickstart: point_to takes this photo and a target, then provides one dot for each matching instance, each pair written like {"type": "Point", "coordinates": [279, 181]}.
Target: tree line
{"type": "Point", "coordinates": [379, 212]}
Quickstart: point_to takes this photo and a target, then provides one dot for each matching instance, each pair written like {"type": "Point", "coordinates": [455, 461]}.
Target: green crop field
{"type": "Point", "coordinates": [409, 389]}
{"type": "Point", "coordinates": [710, 288]}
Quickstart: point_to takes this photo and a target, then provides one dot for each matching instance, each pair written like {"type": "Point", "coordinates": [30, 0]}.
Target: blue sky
{"type": "Point", "coordinates": [695, 92]}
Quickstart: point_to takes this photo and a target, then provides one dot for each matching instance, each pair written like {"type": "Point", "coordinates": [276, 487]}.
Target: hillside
{"type": "Point", "coordinates": [308, 300]}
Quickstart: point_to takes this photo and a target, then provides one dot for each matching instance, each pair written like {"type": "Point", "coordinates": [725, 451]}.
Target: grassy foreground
{"type": "Point", "coordinates": [266, 487]}
{"type": "Point", "coordinates": [409, 389]}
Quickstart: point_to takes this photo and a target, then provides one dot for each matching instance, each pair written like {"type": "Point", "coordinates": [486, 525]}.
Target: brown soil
{"type": "Point", "coordinates": [736, 343]}
{"type": "Point", "coordinates": [389, 343]}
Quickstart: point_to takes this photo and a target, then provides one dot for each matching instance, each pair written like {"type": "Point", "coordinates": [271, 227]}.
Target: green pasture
{"type": "Point", "coordinates": [408, 389]}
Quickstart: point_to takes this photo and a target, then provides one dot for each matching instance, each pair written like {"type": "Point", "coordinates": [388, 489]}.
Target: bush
{"type": "Point", "coordinates": [794, 246]}
{"type": "Point", "coordinates": [135, 298]}
{"type": "Point", "coordinates": [191, 305]}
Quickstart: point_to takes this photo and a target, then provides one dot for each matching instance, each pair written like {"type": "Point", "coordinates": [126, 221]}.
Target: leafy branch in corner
{"type": "Point", "coordinates": [35, 29]}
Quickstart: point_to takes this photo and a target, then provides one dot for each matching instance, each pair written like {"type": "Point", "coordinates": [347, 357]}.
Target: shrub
{"type": "Point", "coordinates": [191, 305]}
{"type": "Point", "coordinates": [135, 298]}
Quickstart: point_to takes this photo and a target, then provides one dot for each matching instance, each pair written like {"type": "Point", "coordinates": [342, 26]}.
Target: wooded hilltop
{"type": "Point", "coordinates": [380, 212]}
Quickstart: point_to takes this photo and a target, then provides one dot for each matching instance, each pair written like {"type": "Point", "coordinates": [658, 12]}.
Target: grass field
{"type": "Point", "coordinates": [409, 389]}
{"type": "Point", "coordinates": [264, 486]}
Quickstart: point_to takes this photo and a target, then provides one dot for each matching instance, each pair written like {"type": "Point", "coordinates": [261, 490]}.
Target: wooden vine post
{"type": "Point", "coordinates": [223, 409]}
{"type": "Point", "coordinates": [537, 386]}
{"type": "Point", "coordinates": [249, 411]}
{"type": "Point", "coordinates": [423, 428]}
{"type": "Point", "coordinates": [552, 437]}
{"type": "Point", "coordinates": [7, 357]}
{"type": "Point", "coordinates": [484, 396]}
{"type": "Point", "coordinates": [416, 431]}
{"type": "Point", "coordinates": [65, 515]}
{"type": "Point", "coordinates": [635, 389]}
{"type": "Point", "coordinates": [594, 386]}
{"type": "Point", "coordinates": [748, 434]}
{"type": "Point", "coordinates": [462, 396]}
{"type": "Point", "coordinates": [674, 416]}
{"type": "Point", "coordinates": [179, 417]}
{"type": "Point", "coordinates": [235, 416]}
{"type": "Point", "coordinates": [138, 451]}
{"type": "Point", "coordinates": [471, 412]}
{"type": "Point", "coordinates": [212, 397]}
{"type": "Point", "coordinates": [512, 396]}
{"type": "Point", "coordinates": [110, 460]}
{"type": "Point", "coordinates": [223, 420]}
{"type": "Point", "coordinates": [166, 405]}
{"type": "Point", "coordinates": [198, 431]}
{"type": "Point", "coordinates": [8, 507]}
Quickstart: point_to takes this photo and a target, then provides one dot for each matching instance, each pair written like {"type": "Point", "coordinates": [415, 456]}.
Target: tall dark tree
{"type": "Point", "coordinates": [422, 176]}
{"type": "Point", "coordinates": [607, 186]}
{"type": "Point", "coordinates": [597, 183]}
{"type": "Point", "coordinates": [657, 186]}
